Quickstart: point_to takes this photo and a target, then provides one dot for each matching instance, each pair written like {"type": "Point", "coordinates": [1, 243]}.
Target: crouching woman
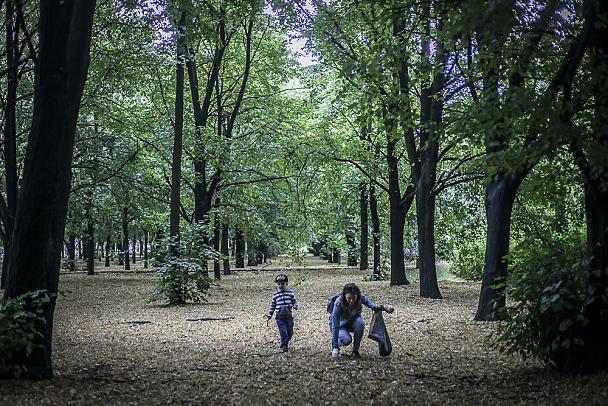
{"type": "Point", "coordinates": [346, 318]}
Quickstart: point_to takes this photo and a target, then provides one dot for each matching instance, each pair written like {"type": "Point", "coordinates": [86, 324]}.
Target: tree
{"type": "Point", "coordinates": [364, 226]}
{"type": "Point", "coordinates": [176, 166]}
{"type": "Point", "coordinates": [502, 126]}
{"type": "Point", "coordinates": [19, 83]}
{"type": "Point", "coordinates": [424, 158]}
{"type": "Point", "coordinates": [65, 37]}
{"type": "Point", "coordinates": [590, 151]}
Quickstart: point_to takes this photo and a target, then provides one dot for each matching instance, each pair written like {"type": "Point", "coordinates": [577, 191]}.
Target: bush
{"type": "Point", "coordinates": [549, 293]}
{"type": "Point", "coordinates": [467, 259]}
{"type": "Point", "coordinates": [182, 280]}
{"type": "Point", "coordinates": [20, 319]}
{"type": "Point", "coordinates": [183, 275]}
{"type": "Point", "coordinates": [385, 274]}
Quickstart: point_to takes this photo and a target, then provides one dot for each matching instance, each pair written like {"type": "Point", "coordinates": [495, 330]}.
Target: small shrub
{"type": "Point", "coordinates": [182, 271]}
{"type": "Point", "coordinates": [467, 259]}
{"type": "Point", "coordinates": [549, 292]}
{"type": "Point", "coordinates": [20, 319]}
{"type": "Point", "coordinates": [182, 280]}
{"type": "Point", "coordinates": [385, 274]}
{"type": "Point", "coordinates": [296, 255]}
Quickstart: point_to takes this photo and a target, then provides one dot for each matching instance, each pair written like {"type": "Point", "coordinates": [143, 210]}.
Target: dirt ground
{"type": "Point", "coordinates": [440, 356]}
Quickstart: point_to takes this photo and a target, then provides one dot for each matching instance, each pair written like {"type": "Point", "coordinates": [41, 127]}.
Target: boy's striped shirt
{"type": "Point", "coordinates": [282, 298]}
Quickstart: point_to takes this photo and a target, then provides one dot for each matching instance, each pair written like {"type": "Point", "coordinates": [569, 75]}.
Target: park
{"type": "Point", "coordinates": [186, 183]}
{"type": "Point", "coordinates": [115, 347]}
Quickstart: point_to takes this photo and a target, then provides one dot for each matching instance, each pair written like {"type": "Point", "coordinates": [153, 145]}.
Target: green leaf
{"type": "Point", "coordinates": [565, 325]}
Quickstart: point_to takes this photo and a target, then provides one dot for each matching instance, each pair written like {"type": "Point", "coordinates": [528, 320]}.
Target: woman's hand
{"type": "Point", "coordinates": [387, 308]}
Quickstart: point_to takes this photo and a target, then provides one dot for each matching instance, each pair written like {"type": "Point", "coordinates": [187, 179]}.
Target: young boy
{"type": "Point", "coordinates": [283, 300]}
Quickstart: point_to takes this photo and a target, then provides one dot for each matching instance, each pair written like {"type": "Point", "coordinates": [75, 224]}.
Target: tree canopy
{"type": "Point", "coordinates": [470, 132]}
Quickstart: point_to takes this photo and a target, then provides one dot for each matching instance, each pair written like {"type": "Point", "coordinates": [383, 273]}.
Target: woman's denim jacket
{"type": "Point", "coordinates": [342, 316]}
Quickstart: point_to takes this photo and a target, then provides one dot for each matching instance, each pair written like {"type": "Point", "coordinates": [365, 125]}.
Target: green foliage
{"type": "Point", "coordinates": [182, 280]}
{"type": "Point", "coordinates": [20, 321]}
{"type": "Point", "coordinates": [385, 275]}
{"type": "Point", "coordinates": [296, 255]}
{"type": "Point", "coordinates": [548, 290]}
{"type": "Point", "coordinates": [461, 219]}
{"type": "Point", "coordinates": [181, 267]}
{"type": "Point", "coordinates": [468, 258]}
{"type": "Point", "coordinates": [385, 268]}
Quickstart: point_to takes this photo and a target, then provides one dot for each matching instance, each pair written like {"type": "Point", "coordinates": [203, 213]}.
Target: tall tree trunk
{"type": "Point", "coordinates": [239, 244]}
{"type": "Point", "coordinates": [133, 254]}
{"type": "Point", "coordinates": [399, 205]}
{"type": "Point", "coordinates": [364, 232]}
{"type": "Point", "coordinates": [425, 197]}
{"type": "Point", "coordinates": [125, 238]}
{"type": "Point", "coordinates": [262, 253]}
{"type": "Point", "coordinates": [503, 185]}
{"type": "Point", "coordinates": [500, 195]}
{"type": "Point", "coordinates": [251, 260]}
{"type": "Point", "coordinates": [336, 256]}
{"type": "Point", "coordinates": [5, 260]}
{"type": "Point", "coordinates": [316, 247]}
{"type": "Point", "coordinates": [89, 238]}
{"type": "Point", "coordinates": [204, 190]}
{"type": "Point", "coordinates": [425, 212]}
{"type": "Point", "coordinates": [9, 148]}
{"type": "Point", "coordinates": [72, 252]}
{"type": "Point", "coordinates": [352, 249]}
{"type": "Point", "coordinates": [85, 249]}
{"type": "Point", "coordinates": [108, 247]}
{"type": "Point", "coordinates": [593, 355]}
{"type": "Point", "coordinates": [398, 209]}
{"type": "Point", "coordinates": [145, 249]}
{"type": "Point", "coordinates": [64, 40]}
{"type": "Point", "coordinates": [176, 164]}
{"type": "Point", "coordinates": [430, 120]}
{"type": "Point", "coordinates": [225, 250]}
{"type": "Point", "coordinates": [119, 254]}
{"type": "Point", "coordinates": [90, 245]}
{"type": "Point", "coordinates": [216, 238]}
{"type": "Point", "coordinates": [397, 223]}
{"type": "Point", "coordinates": [373, 208]}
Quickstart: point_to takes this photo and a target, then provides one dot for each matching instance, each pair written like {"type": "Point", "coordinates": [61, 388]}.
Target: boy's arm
{"type": "Point", "coordinates": [294, 303]}
{"type": "Point", "coordinates": [273, 305]}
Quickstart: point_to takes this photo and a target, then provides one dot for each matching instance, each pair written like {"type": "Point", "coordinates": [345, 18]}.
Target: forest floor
{"type": "Point", "coordinates": [440, 356]}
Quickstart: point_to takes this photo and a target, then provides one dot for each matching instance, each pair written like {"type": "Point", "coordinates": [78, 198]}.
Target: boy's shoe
{"type": "Point", "coordinates": [356, 355]}
{"type": "Point", "coordinates": [284, 349]}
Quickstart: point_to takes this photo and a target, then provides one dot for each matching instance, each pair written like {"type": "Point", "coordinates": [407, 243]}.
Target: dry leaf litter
{"type": "Point", "coordinates": [112, 346]}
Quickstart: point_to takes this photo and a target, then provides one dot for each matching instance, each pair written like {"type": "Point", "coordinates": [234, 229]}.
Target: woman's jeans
{"type": "Point", "coordinates": [356, 326]}
{"type": "Point", "coordinates": [285, 325]}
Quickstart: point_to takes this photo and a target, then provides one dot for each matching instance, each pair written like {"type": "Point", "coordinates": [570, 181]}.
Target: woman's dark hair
{"type": "Point", "coordinates": [350, 288]}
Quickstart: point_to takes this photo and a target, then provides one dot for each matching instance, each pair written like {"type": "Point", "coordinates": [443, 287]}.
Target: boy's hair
{"type": "Point", "coordinates": [281, 278]}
